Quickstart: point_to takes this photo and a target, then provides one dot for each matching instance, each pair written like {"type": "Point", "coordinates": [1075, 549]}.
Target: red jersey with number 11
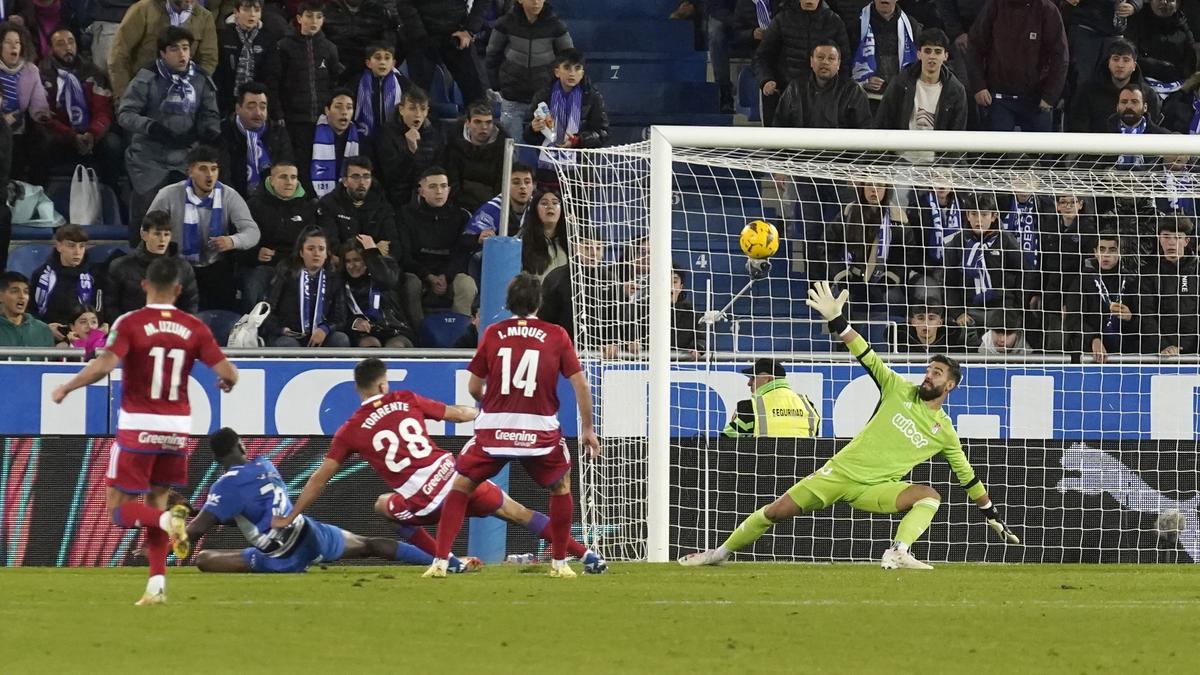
{"type": "Point", "coordinates": [158, 345]}
{"type": "Point", "coordinates": [521, 360]}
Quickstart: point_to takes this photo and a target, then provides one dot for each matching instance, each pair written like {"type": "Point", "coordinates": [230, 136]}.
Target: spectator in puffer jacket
{"type": "Point", "coordinates": [356, 207]}
{"type": "Point", "coordinates": [1170, 292]}
{"type": "Point", "coordinates": [442, 31]}
{"type": "Point", "coordinates": [474, 157]}
{"type": "Point", "coordinates": [376, 317]}
{"type": "Point", "coordinates": [123, 290]}
{"type": "Point", "coordinates": [520, 58]}
{"type": "Point", "coordinates": [282, 210]}
{"type": "Point", "coordinates": [787, 44]}
{"type": "Point", "coordinates": [300, 75]}
{"type": "Point", "coordinates": [1165, 42]}
{"type": "Point", "coordinates": [925, 95]}
{"type": "Point", "coordinates": [407, 145]}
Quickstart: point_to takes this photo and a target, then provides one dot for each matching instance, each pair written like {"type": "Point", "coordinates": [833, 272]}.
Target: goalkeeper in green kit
{"type": "Point", "coordinates": [907, 428]}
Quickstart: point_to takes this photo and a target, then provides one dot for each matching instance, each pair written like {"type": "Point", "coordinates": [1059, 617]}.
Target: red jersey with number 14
{"type": "Point", "coordinates": [389, 432]}
{"type": "Point", "coordinates": [520, 360]}
{"type": "Point", "coordinates": [158, 345]}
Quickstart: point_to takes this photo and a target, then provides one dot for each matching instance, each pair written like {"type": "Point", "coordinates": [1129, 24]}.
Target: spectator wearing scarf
{"type": "Point", "coordinates": [1132, 117]}
{"type": "Point", "coordinates": [250, 142]}
{"type": "Point", "coordinates": [983, 264]}
{"type": "Point", "coordinates": [64, 280]}
{"type": "Point", "coordinates": [871, 266]}
{"type": "Point", "coordinates": [243, 43]}
{"type": "Point", "coordinates": [935, 217]}
{"type": "Point", "coordinates": [372, 281]}
{"type": "Point", "coordinates": [334, 139]}
{"type": "Point", "coordinates": [307, 298]}
{"type": "Point", "coordinates": [1023, 220]}
{"type": "Point", "coordinates": [134, 46]}
{"type": "Point", "coordinates": [580, 119]}
{"type": "Point", "coordinates": [1181, 110]}
{"type": "Point", "coordinates": [1102, 291]}
{"type": "Point", "coordinates": [20, 83]}
{"type": "Point", "coordinates": [885, 46]}
{"type": "Point", "coordinates": [209, 221]}
{"type": "Point", "coordinates": [379, 90]}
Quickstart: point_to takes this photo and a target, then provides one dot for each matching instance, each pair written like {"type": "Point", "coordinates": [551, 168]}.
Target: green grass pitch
{"type": "Point", "coordinates": [638, 618]}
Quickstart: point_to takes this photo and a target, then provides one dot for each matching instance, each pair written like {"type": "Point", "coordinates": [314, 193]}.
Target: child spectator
{"type": "Point", "coordinates": [24, 97]}
{"type": "Point", "coordinates": [520, 58]}
{"type": "Point", "coordinates": [307, 298]}
{"type": "Point", "coordinates": [1103, 303]}
{"type": "Point", "coordinates": [983, 264]}
{"type": "Point", "coordinates": [372, 283]}
{"type": "Point", "coordinates": [576, 116]}
{"type": "Point", "coordinates": [379, 90]}
{"type": "Point", "coordinates": [64, 281]}
{"type": "Point", "coordinates": [407, 145]}
{"type": "Point", "coordinates": [123, 290]}
{"type": "Point", "coordinates": [243, 44]}
{"type": "Point", "coordinates": [18, 328]}
{"type": "Point", "coordinates": [355, 26]}
{"type": "Point", "coordinates": [544, 245]}
{"type": "Point", "coordinates": [335, 138]}
{"type": "Point", "coordinates": [85, 332]}
{"type": "Point", "coordinates": [1170, 291]}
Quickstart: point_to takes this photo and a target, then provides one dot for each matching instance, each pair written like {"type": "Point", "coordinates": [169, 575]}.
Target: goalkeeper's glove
{"type": "Point", "coordinates": [998, 526]}
{"type": "Point", "coordinates": [822, 300]}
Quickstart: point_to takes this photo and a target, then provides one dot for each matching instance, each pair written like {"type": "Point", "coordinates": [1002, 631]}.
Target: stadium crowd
{"type": "Point", "coordinates": [289, 151]}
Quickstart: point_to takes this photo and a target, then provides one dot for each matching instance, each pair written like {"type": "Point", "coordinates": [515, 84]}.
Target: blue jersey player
{"type": "Point", "coordinates": [250, 493]}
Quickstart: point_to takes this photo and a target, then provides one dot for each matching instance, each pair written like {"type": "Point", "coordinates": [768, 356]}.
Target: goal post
{"type": "Point", "coordinates": [686, 191]}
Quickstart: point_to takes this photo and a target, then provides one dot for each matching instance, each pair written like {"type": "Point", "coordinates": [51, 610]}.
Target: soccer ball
{"type": "Point", "coordinates": [759, 239]}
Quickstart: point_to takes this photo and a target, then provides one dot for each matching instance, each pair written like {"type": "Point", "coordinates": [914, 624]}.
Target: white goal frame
{"type": "Point", "coordinates": [664, 140]}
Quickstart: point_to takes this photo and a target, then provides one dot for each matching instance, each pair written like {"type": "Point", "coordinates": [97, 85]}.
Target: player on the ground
{"type": "Point", "coordinates": [250, 493]}
{"type": "Point", "coordinates": [520, 359]}
{"type": "Point", "coordinates": [907, 428]}
{"type": "Point", "coordinates": [389, 432]}
{"type": "Point", "coordinates": [156, 346]}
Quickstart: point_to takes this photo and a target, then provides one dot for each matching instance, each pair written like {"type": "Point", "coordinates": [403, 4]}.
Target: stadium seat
{"type": "Point", "coordinates": [606, 35]}
{"type": "Point", "coordinates": [27, 257]}
{"type": "Point", "coordinates": [111, 225]}
{"type": "Point", "coordinates": [220, 322]}
{"type": "Point", "coordinates": [646, 68]}
{"type": "Point", "coordinates": [443, 329]}
{"type": "Point", "coordinates": [446, 100]}
{"type": "Point", "coordinates": [747, 95]}
{"type": "Point", "coordinates": [665, 98]}
{"type": "Point", "coordinates": [628, 10]}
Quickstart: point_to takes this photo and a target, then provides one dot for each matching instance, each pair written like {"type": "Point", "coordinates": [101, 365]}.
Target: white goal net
{"type": "Point", "coordinates": [1060, 270]}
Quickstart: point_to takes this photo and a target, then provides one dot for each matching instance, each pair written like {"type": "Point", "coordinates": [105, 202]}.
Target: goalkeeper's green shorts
{"type": "Point", "coordinates": [826, 487]}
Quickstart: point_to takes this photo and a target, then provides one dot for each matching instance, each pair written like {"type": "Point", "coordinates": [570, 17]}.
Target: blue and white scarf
{"type": "Point", "coordinates": [944, 225]}
{"type": "Point", "coordinates": [567, 110]}
{"type": "Point", "coordinates": [1194, 125]}
{"type": "Point", "coordinates": [762, 8]}
{"type": "Point", "coordinates": [312, 310]}
{"type": "Point", "coordinates": [864, 57]}
{"type": "Point", "coordinates": [10, 84]}
{"type": "Point", "coordinates": [85, 289]}
{"type": "Point", "coordinates": [324, 169]}
{"type": "Point", "coordinates": [364, 113]}
{"type": "Point", "coordinates": [1022, 221]}
{"type": "Point", "coordinates": [976, 271]}
{"type": "Point", "coordinates": [181, 95]}
{"type": "Point", "coordinates": [72, 100]}
{"type": "Point", "coordinates": [1112, 325]}
{"type": "Point", "coordinates": [193, 238]}
{"type": "Point", "coordinates": [374, 308]}
{"type": "Point", "coordinates": [258, 160]}
{"type": "Point", "coordinates": [1132, 160]}
{"type": "Point", "coordinates": [1182, 185]}
{"type": "Point", "coordinates": [177, 18]}
{"type": "Point", "coordinates": [1163, 87]}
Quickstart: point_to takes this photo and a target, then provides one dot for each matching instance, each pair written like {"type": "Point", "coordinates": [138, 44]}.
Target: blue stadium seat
{"type": "Point", "coordinates": [220, 322]}
{"type": "Point", "coordinates": [607, 35]}
{"type": "Point", "coordinates": [102, 252]}
{"type": "Point", "coordinates": [626, 9]}
{"type": "Point", "coordinates": [443, 329]}
{"type": "Point", "coordinates": [27, 257]}
{"type": "Point", "coordinates": [664, 98]}
{"type": "Point", "coordinates": [747, 94]}
{"type": "Point", "coordinates": [646, 68]}
{"type": "Point", "coordinates": [111, 225]}
{"type": "Point", "coordinates": [446, 100]}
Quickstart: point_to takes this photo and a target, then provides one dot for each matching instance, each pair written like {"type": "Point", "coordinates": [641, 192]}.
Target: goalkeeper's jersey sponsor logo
{"type": "Point", "coordinates": [909, 429]}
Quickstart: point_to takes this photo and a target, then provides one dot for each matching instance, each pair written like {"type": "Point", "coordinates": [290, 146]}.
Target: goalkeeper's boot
{"type": "Point", "coordinates": [593, 563]}
{"type": "Point", "coordinates": [896, 559]}
{"type": "Point", "coordinates": [437, 570]}
{"type": "Point", "coordinates": [178, 531]}
{"type": "Point", "coordinates": [148, 598]}
{"type": "Point", "coordinates": [464, 565]}
{"type": "Point", "coordinates": [559, 569]}
{"type": "Point", "coordinates": [712, 556]}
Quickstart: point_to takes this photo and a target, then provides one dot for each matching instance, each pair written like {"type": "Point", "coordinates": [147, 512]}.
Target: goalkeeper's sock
{"type": "Point", "coordinates": [750, 530]}
{"type": "Point", "coordinates": [417, 536]}
{"type": "Point", "coordinates": [454, 509]}
{"type": "Point", "coordinates": [916, 521]}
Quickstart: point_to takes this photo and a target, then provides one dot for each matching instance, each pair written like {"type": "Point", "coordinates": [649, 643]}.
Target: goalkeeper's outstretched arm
{"type": "Point", "coordinates": [822, 300]}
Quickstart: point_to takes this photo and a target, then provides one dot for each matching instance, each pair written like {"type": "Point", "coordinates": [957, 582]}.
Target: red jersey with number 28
{"type": "Point", "coordinates": [389, 432]}
{"type": "Point", "coordinates": [520, 360]}
{"type": "Point", "coordinates": [158, 345]}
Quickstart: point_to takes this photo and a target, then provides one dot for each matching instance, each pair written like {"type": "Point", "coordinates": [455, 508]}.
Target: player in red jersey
{"type": "Point", "coordinates": [157, 346]}
{"type": "Point", "coordinates": [388, 431]}
{"type": "Point", "coordinates": [519, 360]}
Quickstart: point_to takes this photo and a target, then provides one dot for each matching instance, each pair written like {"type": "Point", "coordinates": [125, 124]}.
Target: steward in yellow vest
{"type": "Point", "coordinates": [774, 409]}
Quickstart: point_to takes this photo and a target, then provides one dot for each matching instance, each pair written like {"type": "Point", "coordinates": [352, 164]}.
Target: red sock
{"type": "Point", "coordinates": [574, 548]}
{"type": "Point", "coordinates": [156, 550]}
{"type": "Point", "coordinates": [421, 539]}
{"type": "Point", "coordinates": [453, 511]}
{"type": "Point", "coordinates": [561, 507]}
{"type": "Point", "coordinates": [136, 514]}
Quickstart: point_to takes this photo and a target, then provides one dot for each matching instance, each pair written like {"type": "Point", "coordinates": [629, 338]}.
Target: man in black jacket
{"type": "Point", "coordinates": [407, 145]}
{"type": "Point", "coordinates": [243, 44]}
{"type": "Point", "coordinates": [783, 56]}
{"type": "Point", "coordinates": [474, 157]}
{"type": "Point", "coordinates": [123, 290]}
{"type": "Point", "coordinates": [926, 94]}
{"type": "Point", "coordinates": [826, 98]}
{"type": "Point", "coordinates": [1092, 105]}
{"type": "Point", "coordinates": [441, 31]}
{"type": "Point", "coordinates": [1103, 304]}
{"type": "Point", "coordinates": [1133, 117]}
{"type": "Point", "coordinates": [1170, 292]}
{"type": "Point", "coordinates": [353, 25]}
{"type": "Point", "coordinates": [250, 142]}
{"type": "Point", "coordinates": [433, 254]}
{"type": "Point", "coordinates": [354, 208]}
{"type": "Point", "coordinates": [282, 210]}
{"type": "Point", "coordinates": [301, 73]}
